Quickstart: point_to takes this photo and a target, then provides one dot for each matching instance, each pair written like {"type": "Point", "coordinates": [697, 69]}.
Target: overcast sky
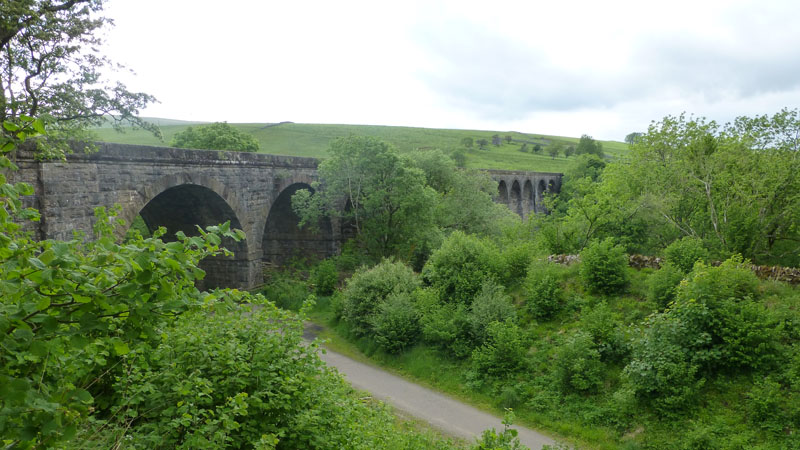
{"type": "Point", "coordinates": [603, 68]}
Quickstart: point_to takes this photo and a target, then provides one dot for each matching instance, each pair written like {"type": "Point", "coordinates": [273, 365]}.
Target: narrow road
{"type": "Point", "coordinates": [451, 416]}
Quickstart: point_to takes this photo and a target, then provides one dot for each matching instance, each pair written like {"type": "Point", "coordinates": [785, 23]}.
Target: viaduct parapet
{"type": "Point", "coordinates": [179, 188]}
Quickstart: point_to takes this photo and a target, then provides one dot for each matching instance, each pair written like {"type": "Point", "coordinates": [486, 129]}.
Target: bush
{"type": "Point", "coordinates": [368, 288]}
{"type": "Point", "coordinates": [449, 327]}
{"type": "Point", "coordinates": [712, 325]}
{"type": "Point", "coordinates": [286, 291]}
{"type": "Point", "coordinates": [243, 378]}
{"type": "Point", "coordinates": [543, 290]}
{"type": "Point", "coordinates": [732, 279]}
{"type": "Point", "coordinates": [396, 322]}
{"type": "Point", "coordinates": [767, 406]}
{"type": "Point", "coordinates": [502, 354]}
{"type": "Point", "coordinates": [663, 284]}
{"type": "Point", "coordinates": [491, 304]}
{"type": "Point", "coordinates": [661, 372]}
{"type": "Point", "coordinates": [577, 364]}
{"type": "Point", "coordinates": [607, 331]}
{"type": "Point", "coordinates": [604, 268]}
{"type": "Point", "coordinates": [325, 277]}
{"type": "Point", "coordinates": [515, 260]}
{"type": "Point", "coordinates": [683, 253]}
{"type": "Point", "coordinates": [458, 269]}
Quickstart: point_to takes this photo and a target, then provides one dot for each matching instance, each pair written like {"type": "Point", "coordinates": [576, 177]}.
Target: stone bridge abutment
{"type": "Point", "coordinates": [180, 189]}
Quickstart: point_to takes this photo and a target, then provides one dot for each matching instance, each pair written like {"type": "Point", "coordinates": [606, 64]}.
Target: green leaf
{"type": "Point", "coordinates": [10, 126]}
{"type": "Point", "coordinates": [121, 348]}
{"type": "Point", "coordinates": [38, 125]}
{"type": "Point", "coordinates": [43, 303]}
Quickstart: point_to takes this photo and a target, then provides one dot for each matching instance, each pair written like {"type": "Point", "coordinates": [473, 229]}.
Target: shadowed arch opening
{"type": "Point", "coordinates": [529, 202]}
{"type": "Point", "coordinates": [184, 208]}
{"type": "Point", "coordinates": [283, 239]}
{"type": "Point", "coordinates": [516, 198]}
{"type": "Point", "coordinates": [502, 192]}
{"type": "Point", "coordinates": [540, 188]}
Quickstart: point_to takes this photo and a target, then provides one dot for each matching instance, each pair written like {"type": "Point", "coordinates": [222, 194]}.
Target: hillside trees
{"type": "Point", "coordinates": [734, 187]}
{"type": "Point", "coordinates": [50, 68]}
{"type": "Point", "coordinates": [216, 136]}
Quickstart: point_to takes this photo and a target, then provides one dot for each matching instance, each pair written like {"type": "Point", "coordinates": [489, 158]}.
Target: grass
{"type": "Point", "coordinates": [313, 140]}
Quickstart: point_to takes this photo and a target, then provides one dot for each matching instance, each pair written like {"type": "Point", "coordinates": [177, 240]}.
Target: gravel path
{"type": "Point", "coordinates": [451, 416]}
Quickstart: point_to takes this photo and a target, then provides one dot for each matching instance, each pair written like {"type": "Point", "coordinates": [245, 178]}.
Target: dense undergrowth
{"type": "Point", "coordinates": [595, 352]}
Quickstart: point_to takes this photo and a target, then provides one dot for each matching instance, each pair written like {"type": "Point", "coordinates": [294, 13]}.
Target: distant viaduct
{"type": "Point", "coordinates": [179, 189]}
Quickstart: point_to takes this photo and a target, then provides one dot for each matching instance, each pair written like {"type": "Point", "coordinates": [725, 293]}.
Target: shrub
{"type": "Point", "coordinates": [713, 324]}
{"type": "Point", "coordinates": [767, 406]}
{"type": "Point", "coordinates": [515, 261]}
{"type": "Point", "coordinates": [502, 354]}
{"type": "Point", "coordinates": [449, 327]}
{"type": "Point", "coordinates": [607, 331]}
{"type": "Point", "coordinates": [577, 364]}
{"type": "Point", "coordinates": [663, 284]}
{"type": "Point", "coordinates": [661, 372]}
{"type": "Point", "coordinates": [732, 279]}
{"type": "Point", "coordinates": [368, 288]}
{"type": "Point", "coordinates": [543, 290]}
{"type": "Point", "coordinates": [286, 291]}
{"type": "Point", "coordinates": [604, 268]}
{"type": "Point", "coordinates": [243, 379]}
{"type": "Point", "coordinates": [325, 277]}
{"type": "Point", "coordinates": [458, 269]}
{"type": "Point", "coordinates": [683, 253]}
{"type": "Point", "coordinates": [396, 322]}
{"type": "Point", "coordinates": [491, 304]}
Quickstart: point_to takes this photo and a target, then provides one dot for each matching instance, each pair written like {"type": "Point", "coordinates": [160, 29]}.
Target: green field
{"type": "Point", "coordinates": [312, 140]}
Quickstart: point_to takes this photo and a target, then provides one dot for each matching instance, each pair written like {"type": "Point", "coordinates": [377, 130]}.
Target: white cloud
{"type": "Point", "coordinates": [603, 68]}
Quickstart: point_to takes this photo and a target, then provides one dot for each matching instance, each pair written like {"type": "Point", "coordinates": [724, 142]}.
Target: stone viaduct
{"type": "Point", "coordinates": [179, 189]}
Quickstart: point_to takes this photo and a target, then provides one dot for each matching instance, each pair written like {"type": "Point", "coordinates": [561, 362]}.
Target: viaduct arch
{"type": "Point", "coordinates": [179, 189]}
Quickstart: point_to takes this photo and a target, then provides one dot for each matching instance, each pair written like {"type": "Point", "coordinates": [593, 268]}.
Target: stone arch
{"type": "Point", "coordinates": [516, 198]}
{"type": "Point", "coordinates": [283, 239]}
{"type": "Point", "coordinates": [163, 184]}
{"type": "Point", "coordinates": [182, 203]}
{"type": "Point", "coordinates": [528, 199]}
{"type": "Point", "coordinates": [502, 192]}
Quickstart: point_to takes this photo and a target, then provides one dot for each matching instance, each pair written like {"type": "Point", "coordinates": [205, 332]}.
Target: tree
{"type": "Point", "coordinates": [496, 140]}
{"type": "Point", "coordinates": [467, 142]}
{"type": "Point", "coordinates": [459, 157]}
{"type": "Point", "coordinates": [569, 151]}
{"type": "Point", "coordinates": [366, 182]}
{"type": "Point", "coordinates": [216, 136]}
{"type": "Point", "coordinates": [555, 148]}
{"type": "Point", "coordinates": [482, 143]}
{"type": "Point", "coordinates": [50, 68]}
{"type": "Point", "coordinates": [537, 148]}
{"type": "Point", "coordinates": [631, 138]}
{"type": "Point", "coordinates": [587, 145]}
{"type": "Point", "coordinates": [508, 138]}
{"type": "Point", "coordinates": [524, 148]}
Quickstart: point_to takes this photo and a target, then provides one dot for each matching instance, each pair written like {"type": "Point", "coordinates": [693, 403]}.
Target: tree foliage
{"type": "Point", "coordinates": [365, 182]}
{"type": "Point", "coordinates": [50, 68]}
{"type": "Point", "coordinates": [587, 145]}
{"type": "Point", "coordinates": [734, 187]}
{"type": "Point", "coordinates": [216, 136]}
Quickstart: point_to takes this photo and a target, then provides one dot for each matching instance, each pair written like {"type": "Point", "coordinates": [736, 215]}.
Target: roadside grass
{"type": "Point", "coordinates": [312, 140]}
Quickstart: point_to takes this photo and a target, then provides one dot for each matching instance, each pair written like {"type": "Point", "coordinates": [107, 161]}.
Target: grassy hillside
{"type": "Point", "coordinates": [313, 139]}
